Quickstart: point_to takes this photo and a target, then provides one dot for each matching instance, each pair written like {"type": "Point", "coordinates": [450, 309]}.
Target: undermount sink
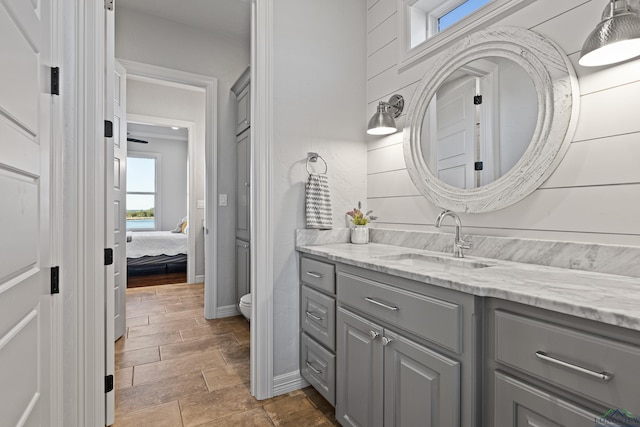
{"type": "Point", "coordinates": [432, 261]}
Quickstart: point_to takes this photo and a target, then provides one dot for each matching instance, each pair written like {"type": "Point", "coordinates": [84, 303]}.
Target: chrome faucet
{"type": "Point", "coordinates": [458, 243]}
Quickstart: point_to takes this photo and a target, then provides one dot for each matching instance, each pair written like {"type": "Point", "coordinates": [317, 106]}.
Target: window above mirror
{"type": "Point", "coordinates": [427, 26]}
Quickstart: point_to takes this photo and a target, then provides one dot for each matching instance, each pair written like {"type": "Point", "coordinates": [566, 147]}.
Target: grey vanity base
{"type": "Point", "coordinates": [390, 351]}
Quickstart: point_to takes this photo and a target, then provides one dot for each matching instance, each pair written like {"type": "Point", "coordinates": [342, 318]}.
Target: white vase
{"type": "Point", "coordinates": [360, 234]}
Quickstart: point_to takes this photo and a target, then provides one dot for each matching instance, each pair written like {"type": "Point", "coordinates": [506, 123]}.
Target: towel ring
{"type": "Point", "coordinates": [313, 158]}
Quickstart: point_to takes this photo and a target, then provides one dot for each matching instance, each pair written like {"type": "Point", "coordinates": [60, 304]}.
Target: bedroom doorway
{"type": "Point", "coordinates": [157, 191]}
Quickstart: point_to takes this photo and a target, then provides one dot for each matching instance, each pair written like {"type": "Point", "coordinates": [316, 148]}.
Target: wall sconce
{"type": "Point", "coordinates": [615, 39]}
{"type": "Point", "coordinates": [382, 122]}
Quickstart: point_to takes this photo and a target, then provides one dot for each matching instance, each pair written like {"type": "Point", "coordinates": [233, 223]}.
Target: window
{"type": "Point", "coordinates": [142, 192]}
{"type": "Point", "coordinates": [455, 15]}
{"type": "Point", "coordinates": [430, 25]}
{"type": "Point", "coordinates": [430, 17]}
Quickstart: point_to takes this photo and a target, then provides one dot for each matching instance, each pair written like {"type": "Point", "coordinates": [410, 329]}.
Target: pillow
{"type": "Point", "coordinates": [178, 228]}
{"type": "Point", "coordinates": [185, 225]}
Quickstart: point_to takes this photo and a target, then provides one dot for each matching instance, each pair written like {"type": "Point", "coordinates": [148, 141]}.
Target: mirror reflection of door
{"type": "Point", "coordinates": [480, 122]}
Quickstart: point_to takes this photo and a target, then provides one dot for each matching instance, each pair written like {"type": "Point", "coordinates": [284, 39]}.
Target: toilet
{"type": "Point", "coordinates": [245, 306]}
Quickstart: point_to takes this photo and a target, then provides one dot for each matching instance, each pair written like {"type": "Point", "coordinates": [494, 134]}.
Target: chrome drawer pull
{"type": "Point", "coordinates": [604, 376]}
{"type": "Point", "coordinates": [313, 274]}
{"type": "Point", "coordinates": [313, 368]}
{"type": "Point", "coordinates": [313, 316]}
{"type": "Point", "coordinates": [381, 304]}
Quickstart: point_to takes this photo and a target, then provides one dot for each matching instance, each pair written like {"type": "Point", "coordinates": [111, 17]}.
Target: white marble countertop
{"type": "Point", "coordinates": [601, 297]}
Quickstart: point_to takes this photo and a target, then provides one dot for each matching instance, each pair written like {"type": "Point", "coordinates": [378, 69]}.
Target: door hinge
{"type": "Point", "coordinates": [108, 4]}
{"type": "Point", "coordinates": [108, 383]}
{"type": "Point", "coordinates": [108, 129]}
{"type": "Point", "coordinates": [478, 166]}
{"type": "Point", "coordinates": [55, 280]}
{"type": "Point", "coordinates": [108, 256]}
{"type": "Point", "coordinates": [477, 100]}
{"type": "Point", "coordinates": [55, 80]}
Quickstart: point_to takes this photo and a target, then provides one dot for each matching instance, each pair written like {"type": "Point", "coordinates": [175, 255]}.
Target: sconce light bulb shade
{"type": "Point", "coordinates": [615, 39]}
{"type": "Point", "coordinates": [382, 122]}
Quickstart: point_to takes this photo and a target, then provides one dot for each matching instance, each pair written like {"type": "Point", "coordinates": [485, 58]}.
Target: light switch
{"type": "Point", "coordinates": [222, 199]}
{"type": "Point", "coordinates": [200, 204]}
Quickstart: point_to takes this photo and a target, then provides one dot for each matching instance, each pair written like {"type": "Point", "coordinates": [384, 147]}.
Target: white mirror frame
{"type": "Point", "coordinates": [556, 85]}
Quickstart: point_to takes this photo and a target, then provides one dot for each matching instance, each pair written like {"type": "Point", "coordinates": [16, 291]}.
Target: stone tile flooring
{"type": "Point", "coordinates": [174, 368]}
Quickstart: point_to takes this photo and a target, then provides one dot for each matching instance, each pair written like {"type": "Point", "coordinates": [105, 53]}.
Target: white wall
{"type": "Point", "coordinates": [164, 43]}
{"type": "Point", "coordinates": [319, 105]}
{"type": "Point", "coordinates": [592, 196]}
{"type": "Point", "coordinates": [172, 176]}
{"type": "Point", "coordinates": [150, 99]}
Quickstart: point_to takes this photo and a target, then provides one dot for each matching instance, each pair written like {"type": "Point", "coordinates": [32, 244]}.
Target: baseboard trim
{"type": "Point", "coordinates": [227, 311]}
{"type": "Point", "coordinates": [288, 382]}
{"type": "Point", "coordinates": [200, 278]}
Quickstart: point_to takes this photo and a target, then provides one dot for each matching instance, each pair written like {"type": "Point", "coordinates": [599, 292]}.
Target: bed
{"type": "Point", "coordinates": [153, 252]}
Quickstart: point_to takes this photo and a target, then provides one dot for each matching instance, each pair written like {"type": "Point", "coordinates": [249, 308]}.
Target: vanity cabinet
{"type": "Point", "coordinates": [318, 326]}
{"type": "Point", "coordinates": [404, 352]}
{"type": "Point", "coordinates": [549, 369]}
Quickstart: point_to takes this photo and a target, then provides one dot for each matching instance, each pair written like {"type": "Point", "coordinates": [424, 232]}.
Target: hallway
{"type": "Point", "coordinates": [175, 368]}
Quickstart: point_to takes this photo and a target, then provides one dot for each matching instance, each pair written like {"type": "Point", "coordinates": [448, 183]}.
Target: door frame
{"type": "Point", "coordinates": [210, 86]}
{"type": "Point", "coordinates": [262, 238]}
{"type": "Point", "coordinates": [191, 200]}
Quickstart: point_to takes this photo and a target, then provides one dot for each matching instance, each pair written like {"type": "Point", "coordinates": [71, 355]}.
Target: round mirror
{"type": "Point", "coordinates": [490, 120]}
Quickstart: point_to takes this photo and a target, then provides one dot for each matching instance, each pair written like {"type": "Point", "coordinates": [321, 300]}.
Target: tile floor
{"type": "Point", "coordinates": [174, 368]}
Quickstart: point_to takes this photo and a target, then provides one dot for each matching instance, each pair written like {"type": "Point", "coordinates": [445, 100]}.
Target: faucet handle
{"type": "Point", "coordinates": [464, 244]}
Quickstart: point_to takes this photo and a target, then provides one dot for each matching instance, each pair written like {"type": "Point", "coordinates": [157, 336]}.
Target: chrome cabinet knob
{"type": "Point", "coordinates": [374, 335]}
{"type": "Point", "coordinates": [386, 341]}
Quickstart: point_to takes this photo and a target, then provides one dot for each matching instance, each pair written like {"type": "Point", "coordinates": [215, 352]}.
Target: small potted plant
{"type": "Point", "coordinates": [360, 232]}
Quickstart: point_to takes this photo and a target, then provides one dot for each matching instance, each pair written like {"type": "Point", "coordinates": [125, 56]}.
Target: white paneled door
{"type": "Point", "coordinates": [119, 198]}
{"type": "Point", "coordinates": [110, 219]}
{"type": "Point", "coordinates": [454, 145]}
{"type": "Point", "coordinates": [25, 135]}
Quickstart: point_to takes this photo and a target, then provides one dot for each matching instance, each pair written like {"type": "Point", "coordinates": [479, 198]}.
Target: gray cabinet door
{"type": "Point", "coordinates": [519, 404]}
{"type": "Point", "coordinates": [243, 269]}
{"type": "Point", "coordinates": [360, 371]}
{"type": "Point", "coordinates": [243, 194]}
{"type": "Point", "coordinates": [422, 387]}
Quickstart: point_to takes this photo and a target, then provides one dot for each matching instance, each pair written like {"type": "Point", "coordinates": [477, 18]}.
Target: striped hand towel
{"type": "Point", "coordinates": [318, 202]}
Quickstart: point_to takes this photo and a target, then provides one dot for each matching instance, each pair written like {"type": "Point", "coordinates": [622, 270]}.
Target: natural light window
{"type": "Point", "coordinates": [142, 193]}
{"type": "Point", "coordinates": [427, 26]}
{"type": "Point", "coordinates": [430, 17]}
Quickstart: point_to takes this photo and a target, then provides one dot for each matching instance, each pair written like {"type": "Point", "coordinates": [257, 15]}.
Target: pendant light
{"type": "Point", "coordinates": [383, 121]}
{"type": "Point", "coordinates": [615, 39]}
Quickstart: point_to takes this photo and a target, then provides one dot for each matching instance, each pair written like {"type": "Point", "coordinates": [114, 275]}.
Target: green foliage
{"type": "Point", "coordinates": [141, 214]}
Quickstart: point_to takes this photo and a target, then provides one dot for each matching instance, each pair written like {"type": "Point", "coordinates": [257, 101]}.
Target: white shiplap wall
{"type": "Point", "coordinates": [593, 196]}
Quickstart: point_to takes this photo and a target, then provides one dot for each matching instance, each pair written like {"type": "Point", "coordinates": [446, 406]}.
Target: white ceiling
{"type": "Point", "coordinates": [226, 18]}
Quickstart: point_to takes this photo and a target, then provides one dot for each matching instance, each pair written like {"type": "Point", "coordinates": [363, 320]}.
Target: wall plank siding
{"type": "Point", "coordinates": [385, 159]}
{"type": "Point", "coordinates": [546, 10]}
{"type": "Point", "coordinates": [383, 59]}
{"type": "Point", "coordinates": [599, 170]}
{"type": "Point", "coordinates": [379, 12]}
{"type": "Point", "coordinates": [571, 41]}
{"type": "Point", "coordinates": [371, 3]}
{"type": "Point", "coordinates": [382, 35]}
{"type": "Point", "coordinates": [606, 161]}
{"type": "Point", "coordinates": [392, 183]}
{"type": "Point", "coordinates": [580, 209]}
{"type": "Point", "coordinates": [609, 112]}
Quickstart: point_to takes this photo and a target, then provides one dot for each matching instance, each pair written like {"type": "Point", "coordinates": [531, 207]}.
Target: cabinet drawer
{"type": "Point", "coordinates": [318, 274]}
{"type": "Point", "coordinates": [595, 367]}
{"type": "Point", "coordinates": [318, 366]}
{"type": "Point", "coordinates": [433, 319]}
{"type": "Point", "coordinates": [318, 316]}
{"type": "Point", "coordinates": [518, 404]}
